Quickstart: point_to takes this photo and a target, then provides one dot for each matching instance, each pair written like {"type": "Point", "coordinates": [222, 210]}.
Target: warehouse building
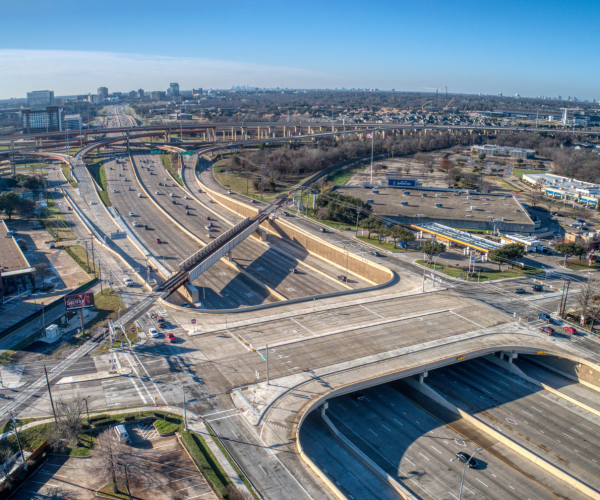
{"type": "Point", "coordinates": [456, 209]}
{"type": "Point", "coordinates": [566, 188]}
{"type": "Point", "coordinates": [489, 150]}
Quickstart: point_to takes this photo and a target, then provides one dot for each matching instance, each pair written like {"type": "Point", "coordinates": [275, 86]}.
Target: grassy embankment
{"type": "Point", "coordinates": [99, 175]}
{"type": "Point", "coordinates": [487, 274]}
{"type": "Point", "coordinates": [166, 161]}
{"type": "Point", "coordinates": [53, 220]}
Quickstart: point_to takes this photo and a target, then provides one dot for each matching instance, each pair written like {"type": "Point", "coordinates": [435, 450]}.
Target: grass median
{"type": "Point", "coordinates": [54, 221]}
{"type": "Point", "coordinates": [485, 275]}
{"type": "Point", "coordinates": [99, 175]}
{"type": "Point", "coordinates": [168, 164]}
{"type": "Point", "coordinates": [67, 173]}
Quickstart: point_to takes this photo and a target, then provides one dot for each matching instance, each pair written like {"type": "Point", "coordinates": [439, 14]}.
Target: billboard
{"type": "Point", "coordinates": [79, 301]}
{"type": "Point", "coordinates": [402, 183]}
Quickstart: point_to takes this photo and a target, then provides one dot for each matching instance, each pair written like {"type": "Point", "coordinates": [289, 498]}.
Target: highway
{"type": "Point", "coordinates": [541, 422]}
{"type": "Point", "coordinates": [416, 448]}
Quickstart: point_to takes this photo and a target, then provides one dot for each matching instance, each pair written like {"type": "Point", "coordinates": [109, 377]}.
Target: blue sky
{"type": "Point", "coordinates": [527, 47]}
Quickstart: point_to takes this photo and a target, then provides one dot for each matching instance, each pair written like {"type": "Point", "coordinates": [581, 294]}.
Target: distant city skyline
{"type": "Point", "coordinates": [527, 48]}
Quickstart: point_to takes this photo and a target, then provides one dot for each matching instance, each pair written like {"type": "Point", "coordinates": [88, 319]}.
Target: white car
{"type": "Point", "coordinates": [553, 218]}
{"type": "Point", "coordinates": [128, 282]}
{"type": "Point", "coordinates": [229, 191]}
{"type": "Point", "coordinates": [156, 192]}
{"type": "Point", "coordinates": [166, 178]}
{"type": "Point", "coordinates": [153, 333]}
{"type": "Point", "coordinates": [135, 224]}
{"type": "Point", "coordinates": [172, 194]}
{"type": "Point", "coordinates": [186, 197]}
{"type": "Point", "coordinates": [130, 214]}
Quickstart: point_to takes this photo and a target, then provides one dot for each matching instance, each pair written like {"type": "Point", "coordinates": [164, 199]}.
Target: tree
{"type": "Point", "coordinates": [401, 234]}
{"type": "Point", "coordinates": [9, 202]}
{"type": "Point", "coordinates": [431, 248]}
{"type": "Point", "coordinates": [506, 253]}
{"type": "Point", "coordinates": [588, 291]}
{"type": "Point", "coordinates": [65, 432]}
{"type": "Point", "coordinates": [26, 208]}
{"type": "Point", "coordinates": [382, 231]}
{"type": "Point", "coordinates": [6, 465]}
{"type": "Point", "coordinates": [446, 164]}
{"type": "Point", "coordinates": [568, 249]}
{"type": "Point", "coordinates": [107, 458]}
{"type": "Point", "coordinates": [482, 156]}
{"type": "Point", "coordinates": [43, 270]}
{"type": "Point", "coordinates": [370, 223]}
{"type": "Point", "coordinates": [537, 194]}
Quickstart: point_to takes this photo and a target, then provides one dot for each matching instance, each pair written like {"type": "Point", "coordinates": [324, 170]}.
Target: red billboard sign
{"type": "Point", "coordinates": [79, 301]}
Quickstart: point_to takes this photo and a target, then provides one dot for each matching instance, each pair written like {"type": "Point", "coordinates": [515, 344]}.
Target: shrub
{"type": "Point", "coordinates": [101, 416]}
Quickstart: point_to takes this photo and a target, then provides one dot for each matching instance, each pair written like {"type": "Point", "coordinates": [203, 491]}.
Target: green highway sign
{"type": "Point", "coordinates": [187, 153]}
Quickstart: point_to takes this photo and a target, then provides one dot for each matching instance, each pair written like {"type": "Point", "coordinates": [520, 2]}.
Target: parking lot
{"type": "Point", "coordinates": [160, 469]}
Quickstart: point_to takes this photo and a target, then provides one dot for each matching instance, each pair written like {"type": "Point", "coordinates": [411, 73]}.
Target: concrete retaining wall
{"type": "Point", "coordinates": [588, 375]}
{"type": "Point", "coordinates": [372, 272]}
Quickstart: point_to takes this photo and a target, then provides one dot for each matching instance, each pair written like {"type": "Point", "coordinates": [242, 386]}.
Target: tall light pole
{"type": "Point", "coordinates": [462, 482]}
{"type": "Point", "coordinates": [267, 356]}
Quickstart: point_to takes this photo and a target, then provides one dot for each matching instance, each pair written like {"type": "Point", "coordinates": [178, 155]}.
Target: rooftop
{"type": "Point", "coordinates": [461, 237]}
{"type": "Point", "coordinates": [11, 256]}
{"type": "Point", "coordinates": [412, 202]}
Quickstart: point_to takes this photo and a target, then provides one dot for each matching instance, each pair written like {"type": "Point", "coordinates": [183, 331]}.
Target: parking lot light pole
{"type": "Point", "coordinates": [462, 481]}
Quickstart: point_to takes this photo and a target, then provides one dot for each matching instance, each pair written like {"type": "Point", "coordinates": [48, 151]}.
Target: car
{"type": "Point", "coordinates": [157, 240]}
{"type": "Point", "coordinates": [130, 214]}
{"type": "Point", "coordinates": [125, 179]}
{"type": "Point", "coordinates": [581, 221]}
{"type": "Point", "coordinates": [146, 226]}
{"type": "Point", "coordinates": [537, 288]}
{"type": "Point", "coordinates": [293, 270]}
{"type": "Point", "coordinates": [207, 227]}
{"type": "Point", "coordinates": [171, 338]}
{"type": "Point", "coordinates": [229, 191]}
{"type": "Point", "coordinates": [160, 321]}
{"type": "Point", "coordinates": [160, 183]}
{"type": "Point", "coordinates": [209, 235]}
{"type": "Point", "coordinates": [570, 329]}
{"type": "Point", "coordinates": [207, 217]}
{"type": "Point", "coordinates": [153, 332]}
{"type": "Point", "coordinates": [156, 192]}
{"type": "Point", "coordinates": [128, 282]}
{"type": "Point", "coordinates": [187, 213]}
{"type": "Point", "coordinates": [114, 190]}
{"type": "Point", "coordinates": [359, 396]}
{"type": "Point", "coordinates": [546, 317]}
{"type": "Point", "coordinates": [186, 197]}
{"type": "Point", "coordinates": [375, 253]}
{"type": "Point", "coordinates": [186, 207]}
{"type": "Point", "coordinates": [554, 218]}
{"type": "Point", "coordinates": [166, 178]}
{"type": "Point", "coordinates": [135, 223]}
{"type": "Point", "coordinates": [174, 202]}
{"type": "Point", "coordinates": [252, 200]}
{"type": "Point", "coordinates": [171, 195]}
{"type": "Point", "coordinates": [322, 229]}
{"type": "Point", "coordinates": [547, 330]}
{"type": "Point", "coordinates": [465, 458]}
{"type": "Point", "coordinates": [519, 290]}
{"type": "Point", "coordinates": [185, 304]}
{"type": "Point", "coordinates": [342, 278]}
{"type": "Point", "coordinates": [92, 202]}
{"type": "Point", "coordinates": [546, 250]}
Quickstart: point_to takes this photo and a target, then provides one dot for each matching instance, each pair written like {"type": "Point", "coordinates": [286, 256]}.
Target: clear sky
{"type": "Point", "coordinates": [529, 47]}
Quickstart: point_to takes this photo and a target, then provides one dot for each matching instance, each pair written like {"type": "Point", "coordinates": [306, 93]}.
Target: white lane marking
{"type": "Point", "coordinates": [577, 431]}
{"type": "Point", "coordinates": [386, 428]}
{"type": "Point", "coordinates": [504, 383]}
{"type": "Point", "coordinates": [307, 329]}
{"type": "Point", "coordinates": [528, 414]}
{"type": "Point", "coordinates": [52, 474]}
{"type": "Point", "coordinates": [198, 496]}
{"type": "Point", "coordinates": [424, 456]}
{"type": "Point", "coordinates": [484, 390]}
{"type": "Point", "coordinates": [217, 412]}
{"type": "Point", "coordinates": [399, 422]}
{"type": "Point", "coordinates": [374, 432]}
{"type": "Point", "coordinates": [467, 319]}
{"type": "Point", "coordinates": [537, 409]}
{"type": "Point", "coordinates": [545, 404]}
{"type": "Point", "coordinates": [341, 406]}
{"type": "Point", "coordinates": [192, 486]}
{"type": "Point", "coordinates": [372, 312]}
{"type": "Point", "coordinates": [221, 418]}
{"type": "Point", "coordinates": [570, 437]}
{"type": "Point", "coordinates": [481, 482]}
{"type": "Point", "coordinates": [437, 450]}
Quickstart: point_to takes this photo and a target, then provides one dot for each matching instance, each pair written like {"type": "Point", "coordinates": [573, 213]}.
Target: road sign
{"type": "Point", "coordinates": [120, 235]}
{"type": "Point", "coordinates": [133, 329]}
{"type": "Point", "coordinates": [194, 321]}
{"type": "Point", "coordinates": [187, 153]}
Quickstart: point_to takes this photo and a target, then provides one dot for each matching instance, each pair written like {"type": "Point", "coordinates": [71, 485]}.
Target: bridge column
{"type": "Point", "coordinates": [245, 134]}
{"type": "Point", "coordinates": [229, 256]}
{"type": "Point", "coordinates": [422, 377]}
{"type": "Point", "coordinates": [269, 132]}
{"type": "Point", "coordinates": [232, 134]}
{"type": "Point", "coordinates": [258, 132]}
{"type": "Point", "coordinates": [284, 130]}
{"type": "Point", "coordinates": [324, 408]}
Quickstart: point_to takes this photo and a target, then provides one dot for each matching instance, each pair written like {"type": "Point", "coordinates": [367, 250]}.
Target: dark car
{"type": "Point", "coordinates": [174, 202]}
{"type": "Point", "coordinates": [145, 226]}
{"type": "Point", "coordinates": [537, 288]}
{"type": "Point", "coordinates": [342, 278]}
{"type": "Point", "coordinates": [464, 457]}
{"type": "Point", "coordinates": [375, 253]}
{"type": "Point", "coordinates": [157, 240]}
{"type": "Point", "coordinates": [519, 290]}
{"type": "Point", "coordinates": [293, 270]}
{"type": "Point", "coordinates": [546, 317]}
{"type": "Point", "coordinates": [359, 396]}
{"type": "Point", "coordinates": [322, 229]}
{"type": "Point", "coordinates": [187, 213]}
{"type": "Point", "coordinates": [547, 330]}
{"type": "Point", "coordinates": [186, 207]}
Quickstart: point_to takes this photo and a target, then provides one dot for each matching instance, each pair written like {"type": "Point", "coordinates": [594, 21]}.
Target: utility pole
{"type": "Point", "coordinates": [184, 413]}
{"type": "Point", "coordinates": [87, 257]}
{"type": "Point", "coordinates": [92, 238]}
{"type": "Point", "coordinates": [50, 394]}
{"type": "Point", "coordinates": [14, 421]}
{"type": "Point", "coordinates": [87, 410]}
{"type": "Point", "coordinates": [566, 297]}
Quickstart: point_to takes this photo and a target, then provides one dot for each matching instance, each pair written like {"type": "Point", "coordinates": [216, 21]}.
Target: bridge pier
{"type": "Point", "coordinates": [229, 258]}
{"type": "Point", "coordinates": [422, 377]}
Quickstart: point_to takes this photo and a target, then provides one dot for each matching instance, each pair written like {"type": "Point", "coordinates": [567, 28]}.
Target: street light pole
{"type": "Point", "coordinates": [87, 411]}
{"type": "Point", "coordinates": [462, 481]}
{"type": "Point", "coordinates": [184, 413]}
{"type": "Point", "coordinates": [267, 356]}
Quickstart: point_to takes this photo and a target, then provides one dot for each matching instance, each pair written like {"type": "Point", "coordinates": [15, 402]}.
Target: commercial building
{"type": "Point", "coordinates": [489, 150]}
{"type": "Point", "coordinates": [37, 121]}
{"type": "Point", "coordinates": [17, 273]}
{"type": "Point", "coordinates": [72, 122]}
{"type": "Point", "coordinates": [566, 188]}
{"type": "Point", "coordinates": [173, 90]}
{"type": "Point", "coordinates": [452, 237]}
{"type": "Point", "coordinates": [196, 92]}
{"type": "Point", "coordinates": [456, 209]}
{"type": "Point", "coordinates": [180, 116]}
{"type": "Point", "coordinates": [157, 95]}
{"type": "Point", "coordinates": [133, 93]}
{"type": "Point", "coordinates": [140, 92]}
{"type": "Point", "coordinates": [103, 91]}
{"type": "Point", "coordinates": [40, 98]}
{"type": "Point", "coordinates": [95, 98]}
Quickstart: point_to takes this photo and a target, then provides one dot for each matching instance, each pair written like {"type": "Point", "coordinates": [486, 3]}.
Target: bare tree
{"type": "Point", "coordinates": [537, 194]}
{"type": "Point", "coordinates": [589, 292]}
{"type": "Point", "coordinates": [66, 431]}
{"type": "Point", "coordinates": [234, 494]}
{"type": "Point", "coordinates": [43, 271]}
{"type": "Point", "coordinates": [108, 456]}
{"type": "Point", "coordinates": [6, 465]}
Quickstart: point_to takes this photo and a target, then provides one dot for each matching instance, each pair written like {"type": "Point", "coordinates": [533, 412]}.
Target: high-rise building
{"type": "Point", "coordinates": [103, 91]}
{"type": "Point", "coordinates": [173, 90]}
{"type": "Point", "coordinates": [157, 95]}
{"type": "Point", "coordinates": [140, 92]}
{"type": "Point", "coordinates": [133, 93]}
{"type": "Point", "coordinates": [72, 122]}
{"type": "Point", "coordinates": [42, 120]}
{"type": "Point", "coordinates": [40, 98]}
{"type": "Point", "coordinates": [196, 92]}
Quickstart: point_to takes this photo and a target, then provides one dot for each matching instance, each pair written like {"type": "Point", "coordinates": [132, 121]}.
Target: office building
{"type": "Point", "coordinates": [37, 121]}
{"type": "Point", "coordinates": [503, 151]}
{"type": "Point", "coordinates": [40, 98]}
{"type": "Point", "coordinates": [140, 92]}
{"type": "Point", "coordinates": [103, 91]}
{"type": "Point", "coordinates": [566, 188]}
{"type": "Point", "coordinates": [72, 122]}
{"type": "Point", "coordinates": [95, 98]}
{"type": "Point", "coordinates": [157, 95]}
{"type": "Point", "coordinates": [133, 93]}
{"type": "Point", "coordinates": [196, 92]}
{"type": "Point", "coordinates": [173, 90]}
